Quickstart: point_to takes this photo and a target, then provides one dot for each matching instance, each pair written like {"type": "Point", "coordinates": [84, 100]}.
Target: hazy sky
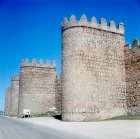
{"type": "Point", "coordinates": [32, 29]}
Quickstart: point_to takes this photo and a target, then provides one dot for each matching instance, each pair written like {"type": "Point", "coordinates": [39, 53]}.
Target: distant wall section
{"type": "Point", "coordinates": [36, 86]}
{"type": "Point", "coordinates": [58, 96]}
{"type": "Point", "coordinates": [132, 67]}
{"type": "Point", "coordinates": [14, 95]}
{"type": "Point", "coordinates": [7, 102]}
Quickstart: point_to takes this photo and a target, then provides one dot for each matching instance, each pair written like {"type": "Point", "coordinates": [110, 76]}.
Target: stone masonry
{"type": "Point", "coordinates": [93, 70]}
{"type": "Point", "coordinates": [132, 66]}
{"type": "Point", "coordinates": [14, 95]}
{"type": "Point", "coordinates": [36, 86]}
{"type": "Point", "coordinates": [7, 102]}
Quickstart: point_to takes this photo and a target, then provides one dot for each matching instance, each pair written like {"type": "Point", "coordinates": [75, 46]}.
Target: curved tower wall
{"type": "Point", "coordinates": [36, 86]}
{"type": "Point", "coordinates": [14, 95]}
{"type": "Point", "coordinates": [93, 71]}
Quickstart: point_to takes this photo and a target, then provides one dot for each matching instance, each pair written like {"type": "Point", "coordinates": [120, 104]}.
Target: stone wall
{"type": "Point", "coordinates": [58, 96]}
{"type": "Point", "coordinates": [14, 95]}
{"type": "Point", "coordinates": [36, 86]}
{"type": "Point", "coordinates": [7, 102]}
{"type": "Point", "coordinates": [93, 70]}
{"type": "Point", "coordinates": [132, 66]}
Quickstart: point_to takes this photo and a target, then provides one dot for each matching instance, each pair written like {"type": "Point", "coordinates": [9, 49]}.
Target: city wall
{"type": "Point", "coordinates": [100, 75]}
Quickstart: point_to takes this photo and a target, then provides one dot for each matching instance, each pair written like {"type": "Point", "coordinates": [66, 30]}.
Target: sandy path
{"type": "Point", "coordinates": [119, 129]}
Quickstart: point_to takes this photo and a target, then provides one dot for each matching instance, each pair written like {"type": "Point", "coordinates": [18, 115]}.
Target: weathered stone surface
{"type": "Point", "coordinates": [37, 86]}
{"type": "Point", "coordinates": [93, 71]}
{"type": "Point", "coordinates": [14, 95]}
{"type": "Point", "coordinates": [7, 102]}
{"type": "Point", "coordinates": [132, 67]}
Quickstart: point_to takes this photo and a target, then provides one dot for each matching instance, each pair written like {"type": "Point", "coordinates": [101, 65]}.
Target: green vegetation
{"type": "Point", "coordinates": [12, 115]}
{"type": "Point", "coordinates": [125, 117]}
{"type": "Point", "coordinates": [55, 113]}
{"type": "Point", "coordinates": [47, 114]}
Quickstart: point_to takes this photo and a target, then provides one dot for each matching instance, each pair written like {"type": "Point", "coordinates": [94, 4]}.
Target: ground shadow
{"type": "Point", "coordinates": [58, 117]}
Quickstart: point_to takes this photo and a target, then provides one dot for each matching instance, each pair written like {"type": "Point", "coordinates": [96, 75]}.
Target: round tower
{"type": "Point", "coordinates": [93, 72]}
{"type": "Point", "coordinates": [36, 86]}
{"type": "Point", "coordinates": [14, 95]}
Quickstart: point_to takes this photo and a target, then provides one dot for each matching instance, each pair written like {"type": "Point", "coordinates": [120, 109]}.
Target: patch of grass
{"type": "Point", "coordinates": [125, 117]}
{"type": "Point", "coordinates": [11, 115]}
{"type": "Point", "coordinates": [47, 114]}
{"type": "Point", "coordinates": [58, 114]}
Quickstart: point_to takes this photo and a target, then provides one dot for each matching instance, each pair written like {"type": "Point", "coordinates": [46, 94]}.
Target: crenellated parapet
{"type": "Point", "coordinates": [34, 64]}
{"type": "Point", "coordinates": [58, 77]}
{"type": "Point", "coordinates": [134, 49]}
{"type": "Point", "coordinates": [92, 24]}
{"type": "Point", "coordinates": [15, 78]}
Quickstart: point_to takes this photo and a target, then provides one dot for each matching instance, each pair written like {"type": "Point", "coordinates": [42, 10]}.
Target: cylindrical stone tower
{"type": "Point", "coordinates": [36, 86]}
{"type": "Point", "coordinates": [14, 95]}
{"type": "Point", "coordinates": [7, 102]}
{"type": "Point", "coordinates": [93, 72]}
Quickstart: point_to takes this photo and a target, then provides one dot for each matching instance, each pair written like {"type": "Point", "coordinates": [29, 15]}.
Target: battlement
{"type": "Point", "coordinates": [58, 77]}
{"type": "Point", "coordinates": [134, 48]}
{"type": "Point", "coordinates": [8, 89]}
{"type": "Point", "coordinates": [92, 24]}
{"type": "Point", "coordinates": [15, 78]}
{"type": "Point", "coordinates": [34, 64]}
